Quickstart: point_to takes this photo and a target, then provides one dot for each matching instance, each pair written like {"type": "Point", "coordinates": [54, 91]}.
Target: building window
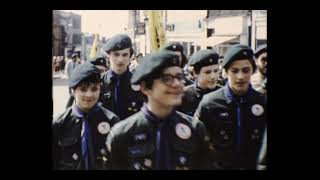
{"type": "Point", "coordinates": [210, 32]}
{"type": "Point", "coordinates": [76, 39]}
{"type": "Point", "coordinates": [191, 49]}
{"type": "Point", "coordinates": [260, 42]}
{"type": "Point", "coordinates": [185, 47]}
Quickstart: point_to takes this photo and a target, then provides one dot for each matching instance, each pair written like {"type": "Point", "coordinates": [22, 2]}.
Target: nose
{"type": "Point", "coordinates": [177, 82]}
{"type": "Point", "coordinates": [88, 94]}
{"type": "Point", "coordinates": [214, 75]}
{"type": "Point", "coordinates": [240, 75]}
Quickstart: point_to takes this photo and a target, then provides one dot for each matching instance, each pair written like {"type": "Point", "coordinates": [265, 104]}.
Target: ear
{"type": "Point", "coordinates": [224, 73]}
{"type": "Point", "coordinates": [194, 74]}
{"type": "Point", "coordinates": [72, 91]}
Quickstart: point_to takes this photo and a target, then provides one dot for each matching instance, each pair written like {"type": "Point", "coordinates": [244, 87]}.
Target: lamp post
{"type": "Point", "coordinates": [145, 34]}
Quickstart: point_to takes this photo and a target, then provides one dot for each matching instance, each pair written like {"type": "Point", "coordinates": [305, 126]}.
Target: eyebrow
{"type": "Point", "coordinates": [172, 74]}
{"type": "Point", "coordinates": [246, 67]}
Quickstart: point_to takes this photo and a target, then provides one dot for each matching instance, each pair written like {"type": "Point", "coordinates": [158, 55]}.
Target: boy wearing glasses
{"type": "Point", "coordinates": [158, 137]}
{"type": "Point", "coordinates": [206, 72]}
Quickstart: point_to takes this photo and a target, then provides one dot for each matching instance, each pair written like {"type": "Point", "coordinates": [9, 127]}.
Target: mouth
{"type": "Point", "coordinates": [88, 101]}
{"type": "Point", "coordinates": [120, 65]}
{"type": "Point", "coordinates": [240, 83]}
{"type": "Point", "coordinates": [177, 93]}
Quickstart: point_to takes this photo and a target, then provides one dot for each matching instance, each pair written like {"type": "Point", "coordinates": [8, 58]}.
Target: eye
{"type": "Point", "coordinates": [234, 71]}
{"type": "Point", "coordinates": [246, 70]}
{"type": "Point", "coordinates": [125, 54]}
{"type": "Point", "coordinates": [167, 78]}
{"type": "Point", "coordinates": [207, 72]}
{"type": "Point", "coordinates": [94, 89]}
{"type": "Point", "coordinates": [264, 59]}
{"type": "Point", "coordinates": [180, 76]}
{"type": "Point", "coordinates": [83, 89]}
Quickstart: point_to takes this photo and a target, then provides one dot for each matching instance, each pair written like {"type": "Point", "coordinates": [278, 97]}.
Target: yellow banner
{"type": "Point", "coordinates": [94, 48]}
{"type": "Point", "coordinates": [156, 29]}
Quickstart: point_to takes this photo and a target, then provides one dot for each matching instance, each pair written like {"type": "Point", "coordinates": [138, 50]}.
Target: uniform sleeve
{"type": "Point", "coordinates": [203, 115]}
{"type": "Point", "coordinates": [262, 160]}
{"type": "Point", "coordinates": [55, 150]}
{"type": "Point", "coordinates": [200, 113]}
{"type": "Point", "coordinates": [115, 119]}
{"type": "Point", "coordinates": [207, 151]}
{"type": "Point", "coordinates": [113, 151]}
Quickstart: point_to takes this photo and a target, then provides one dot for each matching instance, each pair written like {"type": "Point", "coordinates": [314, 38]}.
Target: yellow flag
{"type": "Point", "coordinates": [156, 29]}
{"type": "Point", "coordinates": [94, 48]}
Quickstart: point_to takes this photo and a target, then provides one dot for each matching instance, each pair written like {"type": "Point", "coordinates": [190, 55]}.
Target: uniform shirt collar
{"type": "Point", "coordinates": [203, 91]}
{"type": "Point", "coordinates": [232, 97]}
{"type": "Point", "coordinates": [151, 117]}
{"type": "Point", "coordinates": [115, 76]}
{"type": "Point", "coordinates": [80, 114]}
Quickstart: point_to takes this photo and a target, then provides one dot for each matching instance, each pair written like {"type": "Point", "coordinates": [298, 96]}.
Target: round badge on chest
{"type": "Point", "coordinates": [183, 131]}
{"type": "Point", "coordinates": [135, 87]}
{"type": "Point", "coordinates": [257, 109]}
{"type": "Point", "coordinates": [104, 127]}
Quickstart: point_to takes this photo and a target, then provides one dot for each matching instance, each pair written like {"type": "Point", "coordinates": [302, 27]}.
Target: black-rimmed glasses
{"type": "Point", "coordinates": [168, 79]}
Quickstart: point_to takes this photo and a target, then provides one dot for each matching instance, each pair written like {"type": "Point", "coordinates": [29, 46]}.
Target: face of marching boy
{"type": "Point", "coordinates": [205, 68]}
{"type": "Point", "coordinates": [119, 50]}
{"type": "Point", "coordinates": [239, 65]}
{"type": "Point", "coordinates": [85, 84]}
{"type": "Point", "coordinates": [161, 79]}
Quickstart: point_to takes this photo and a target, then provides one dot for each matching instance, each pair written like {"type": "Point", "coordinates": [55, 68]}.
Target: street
{"type": "Point", "coordinates": [60, 95]}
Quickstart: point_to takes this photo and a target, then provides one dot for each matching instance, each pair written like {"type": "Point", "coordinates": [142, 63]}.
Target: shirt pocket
{"type": "Point", "coordinates": [223, 134]}
{"type": "Point", "coordinates": [184, 153]}
{"type": "Point", "coordinates": [141, 157]}
{"type": "Point", "coordinates": [70, 152]}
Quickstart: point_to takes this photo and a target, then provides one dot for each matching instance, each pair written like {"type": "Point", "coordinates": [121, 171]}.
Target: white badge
{"type": "Point", "coordinates": [104, 128]}
{"type": "Point", "coordinates": [225, 114]}
{"type": "Point", "coordinates": [137, 165]}
{"type": "Point", "coordinates": [135, 87]}
{"type": "Point", "coordinates": [182, 159]}
{"type": "Point", "coordinates": [183, 131]}
{"type": "Point", "coordinates": [257, 109]}
{"type": "Point", "coordinates": [75, 156]}
{"type": "Point", "coordinates": [148, 162]}
{"type": "Point", "coordinates": [140, 137]}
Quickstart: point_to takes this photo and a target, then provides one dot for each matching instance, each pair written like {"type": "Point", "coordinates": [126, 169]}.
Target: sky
{"type": "Point", "coordinates": [104, 22]}
{"type": "Point", "coordinates": [110, 22]}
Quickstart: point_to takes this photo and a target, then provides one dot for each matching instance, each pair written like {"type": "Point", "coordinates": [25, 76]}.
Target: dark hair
{"type": "Point", "coordinates": [197, 69]}
{"type": "Point", "coordinates": [139, 55]}
{"type": "Point", "coordinates": [131, 51]}
{"type": "Point", "coordinates": [184, 60]}
{"type": "Point", "coordinates": [93, 79]}
{"type": "Point", "coordinates": [252, 62]}
{"type": "Point", "coordinates": [148, 85]}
